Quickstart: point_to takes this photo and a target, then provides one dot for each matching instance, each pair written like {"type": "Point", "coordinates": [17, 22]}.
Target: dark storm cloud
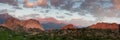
{"type": "Point", "coordinates": [11, 2]}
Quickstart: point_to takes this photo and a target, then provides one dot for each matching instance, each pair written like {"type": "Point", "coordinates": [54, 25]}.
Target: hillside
{"type": "Point", "coordinates": [79, 34]}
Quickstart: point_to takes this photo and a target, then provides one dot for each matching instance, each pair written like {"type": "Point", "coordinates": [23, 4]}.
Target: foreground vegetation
{"type": "Point", "coordinates": [78, 34]}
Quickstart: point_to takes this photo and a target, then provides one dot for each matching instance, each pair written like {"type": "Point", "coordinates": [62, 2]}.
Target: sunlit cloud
{"type": "Point", "coordinates": [83, 11]}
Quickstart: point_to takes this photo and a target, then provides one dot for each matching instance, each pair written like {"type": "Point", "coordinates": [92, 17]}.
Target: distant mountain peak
{"type": "Point", "coordinates": [49, 19]}
{"type": "Point", "coordinates": [4, 17]}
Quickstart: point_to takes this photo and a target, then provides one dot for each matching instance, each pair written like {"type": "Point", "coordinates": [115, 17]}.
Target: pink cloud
{"type": "Point", "coordinates": [116, 4]}
{"type": "Point", "coordinates": [27, 3]}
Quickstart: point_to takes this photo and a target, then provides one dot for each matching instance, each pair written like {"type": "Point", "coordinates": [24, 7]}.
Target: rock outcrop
{"type": "Point", "coordinates": [31, 23]}
{"type": "Point", "coordinates": [69, 26]}
{"type": "Point", "coordinates": [12, 23]}
{"type": "Point", "coordinates": [112, 26]}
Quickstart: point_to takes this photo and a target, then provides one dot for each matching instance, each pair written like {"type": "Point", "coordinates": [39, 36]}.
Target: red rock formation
{"type": "Point", "coordinates": [70, 26]}
{"type": "Point", "coordinates": [32, 24]}
{"type": "Point", "coordinates": [112, 26]}
{"type": "Point", "coordinates": [12, 22]}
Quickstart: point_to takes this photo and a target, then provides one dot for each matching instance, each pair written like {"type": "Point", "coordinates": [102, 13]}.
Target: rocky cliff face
{"type": "Point", "coordinates": [31, 23]}
{"type": "Point", "coordinates": [112, 26]}
{"type": "Point", "coordinates": [12, 23]}
{"type": "Point", "coordinates": [69, 26]}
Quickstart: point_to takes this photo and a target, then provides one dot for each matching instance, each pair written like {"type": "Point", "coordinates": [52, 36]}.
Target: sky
{"type": "Point", "coordinates": [79, 12]}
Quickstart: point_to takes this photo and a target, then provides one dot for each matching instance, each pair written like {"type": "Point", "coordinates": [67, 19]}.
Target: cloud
{"type": "Point", "coordinates": [87, 3]}
{"type": "Point", "coordinates": [116, 4]}
{"type": "Point", "coordinates": [17, 7]}
{"type": "Point", "coordinates": [68, 14]}
{"type": "Point", "coordinates": [42, 2]}
{"type": "Point", "coordinates": [66, 4]}
{"type": "Point", "coordinates": [3, 11]}
{"type": "Point", "coordinates": [29, 16]}
{"type": "Point", "coordinates": [11, 2]}
{"type": "Point", "coordinates": [60, 17]}
{"type": "Point", "coordinates": [57, 2]}
{"type": "Point", "coordinates": [62, 4]}
{"type": "Point", "coordinates": [64, 9]}
{"type": "Point", "coordinates": [111, 20]}
{"type": "Point", "coordinates": [101, 8]}
{"type": "Point", "coordinates": [27, 3]}
{"type": "Point", "coordinates": [81, 22]}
